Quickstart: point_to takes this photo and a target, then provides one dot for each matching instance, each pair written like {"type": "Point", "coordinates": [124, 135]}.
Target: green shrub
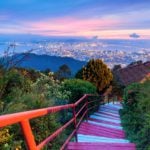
{"type": "Point", "coordinates": [136, 114]}
{"type": "Point", "coordinates": [78, 88]}
{"type": "Point", "coordinates": [44, 92]}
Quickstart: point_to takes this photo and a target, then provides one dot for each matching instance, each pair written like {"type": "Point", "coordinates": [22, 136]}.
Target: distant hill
{"type": "Point", "coordinates": [42, 62]}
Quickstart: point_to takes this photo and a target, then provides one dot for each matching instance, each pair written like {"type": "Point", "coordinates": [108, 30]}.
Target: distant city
{"type": "Point", "coordinates": [111, 52]}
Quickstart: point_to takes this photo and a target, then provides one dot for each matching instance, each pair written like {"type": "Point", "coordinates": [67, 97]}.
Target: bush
{"type": "Point", "coordinates": [45, 92]}
{"type": "Point", "coordinates": [78, 88]}
{"type": "Point", "coordinates": [136, 114]}
{"type": "Point", "coordinates": [12, 79]}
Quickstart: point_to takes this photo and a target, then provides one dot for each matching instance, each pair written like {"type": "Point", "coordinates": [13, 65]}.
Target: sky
{"type": "Point", "coordinates": [106, 19]}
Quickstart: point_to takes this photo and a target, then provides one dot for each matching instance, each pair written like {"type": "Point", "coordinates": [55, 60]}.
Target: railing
{"type": "Point", "coordinates": [23, 118]}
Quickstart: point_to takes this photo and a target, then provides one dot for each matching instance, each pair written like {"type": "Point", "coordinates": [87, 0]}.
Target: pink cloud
{"type": "Point", "coordinates": [70, 25]}
{"type": "Point", "coordinates": [104, 28]}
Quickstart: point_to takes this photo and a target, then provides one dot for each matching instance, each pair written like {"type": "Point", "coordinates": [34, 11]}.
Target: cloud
{"type": "Point", "coordinates": [134, 35]}
{"type": "Point", "coordinates": [95, 37]}
{"type": "Point", "coordinates": [76, 18]}
{"type": "Point", "coordinates": [69, 26]}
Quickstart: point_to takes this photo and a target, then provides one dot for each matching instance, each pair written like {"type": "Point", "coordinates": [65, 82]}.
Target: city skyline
{"type": "Point", "coordinates": [118, 19]}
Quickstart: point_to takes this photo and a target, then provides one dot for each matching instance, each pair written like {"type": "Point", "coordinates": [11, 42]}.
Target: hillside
{"type": "Point", "coordinates": [42, 62]}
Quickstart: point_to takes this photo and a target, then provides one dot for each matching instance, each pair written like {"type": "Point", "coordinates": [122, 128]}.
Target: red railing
{"type": "Point", "coordinates": [23, 118]}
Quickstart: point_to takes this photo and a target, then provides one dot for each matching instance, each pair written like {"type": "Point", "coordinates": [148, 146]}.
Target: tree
{"type": "Point", "coordinates": [47, 71]}
{"type": "Point", "coordinates": [79, 74]}
{"type": "Point", "coordinates": [117, 87]}
{"type": "Point", "coordinates": [97, 73]}
{"type": "Point", "coordinates": [64, 72]}
{"type": "Point", "coordinates": [116, 67]}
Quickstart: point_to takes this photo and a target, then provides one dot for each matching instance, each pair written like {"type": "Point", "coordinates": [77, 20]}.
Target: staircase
{"type": "Point", "coordinates": [102, 131]}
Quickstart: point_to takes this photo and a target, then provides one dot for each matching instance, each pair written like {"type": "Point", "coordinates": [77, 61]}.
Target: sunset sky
{"type": "Point", "coordinates": [110, 19]}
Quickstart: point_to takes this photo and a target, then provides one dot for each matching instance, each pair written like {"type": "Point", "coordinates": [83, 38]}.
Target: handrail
{"type": "Point", "coordinates": [8, 119]}
{"type": "Point", "coordinates": [23, 118]}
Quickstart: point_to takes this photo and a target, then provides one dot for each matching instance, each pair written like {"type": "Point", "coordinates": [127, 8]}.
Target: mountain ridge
{"type": "Point", "coordinates": [42, 62]}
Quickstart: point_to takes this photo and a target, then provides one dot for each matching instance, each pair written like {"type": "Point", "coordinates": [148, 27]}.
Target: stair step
{"type": "Point", "coordinates": [102, 131]}
{"type": "Point", "coordinates": [100, 146]}
{"type": "Point", "coordinates": [106, 122]}
{"type": "Point", "coordinates": [107, 113]}
{"type": "Point", "coordinates": [91, 138]}
{"type": "Point", "coordinates": [105, 125]}
{"type": "Point", "coordinates": [108, 110]}
{"type": "Point", "coordinates": [89, 129]}
{"type": "Point", "coordinates": [105, 119]}
{"type": "Point", "coordinates": [113, 105]}
{"type": "Point", "coordinates": [107, 116]}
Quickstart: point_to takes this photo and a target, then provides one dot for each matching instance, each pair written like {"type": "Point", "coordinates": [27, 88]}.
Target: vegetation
{"type": "Point", "coordinates": [22, 89]}
{"type": "Point", "coordinates": [79, 74]}
{"type": "Point", "coordinates": [20, 93]}
{"type": "Point", "coordinates": [26, 89]}
{"type": "Point", "coordinates": [63, 72]}
{"type": "Point", "coordinates": [97, 73]}
{"type": "Point", "coordinates": [136, 114]}
{"type": "Point", "coordinates": [78, 88]}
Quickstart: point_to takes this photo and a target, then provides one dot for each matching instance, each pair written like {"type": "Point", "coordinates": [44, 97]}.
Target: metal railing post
{"type": "Point", "coordinates": [29, 138]}
{"type": "Point", "coordinates": [75, 122]}
{"type": "Point", "coordinates": [108, 99]}
{"type": "Point", "coordinates": [86, 108]}
{"type": "Point", "coordinates": [100, 101]}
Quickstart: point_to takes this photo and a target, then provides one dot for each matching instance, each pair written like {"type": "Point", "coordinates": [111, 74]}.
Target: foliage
{"type": "Point", "coordinates": [20, 94]}
{"type": "Point", "coordinates": [47, 71]}
{"type": "Point", "coordinates": [5, 135]}
{"type": "Point", "coordinates": [116, 67]}
{"type": "Point", "coordinates": [51, 89]}
{"type": "Point", "coordinates": [97, 73]}
{"type": "Point", "coordinates": [78, 88]}
{"type": "Point", "coordinates": [21, 91]}
{"type": "Point", "coordinates": [136, 114]}
{"type": "Point", "coordinates": [63, 72]}
{"type": "Point", "coordinates": [11, 80]}
{"type": "Point", "coordinates": [79, 74]}
{"type": "Point", "coordinates": [117, 88]}
{"type": "Point", "coordinates": [31, 74]}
